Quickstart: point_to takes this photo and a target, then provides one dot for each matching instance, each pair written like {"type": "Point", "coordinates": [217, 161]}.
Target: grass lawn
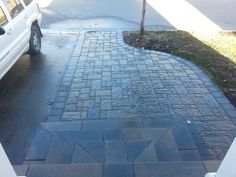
{"type": "Point", "coordinates": [216, 55]}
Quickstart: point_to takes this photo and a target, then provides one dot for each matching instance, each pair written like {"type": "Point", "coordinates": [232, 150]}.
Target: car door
{"type": "Point", "coordinates": [15, 39]}
{"type": "Point", "coordinates": [4, 40]}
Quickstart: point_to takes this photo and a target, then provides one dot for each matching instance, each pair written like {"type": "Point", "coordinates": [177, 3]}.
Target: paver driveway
{"type": "Point", "coordinates": [122, 111]}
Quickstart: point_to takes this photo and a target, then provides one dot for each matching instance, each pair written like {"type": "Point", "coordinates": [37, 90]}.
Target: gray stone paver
{"type": "Point", "coordinates": [107, 79]}
{"type": "Point", "coordinates": [167, 170]}
{"type": "Point", "coordinates": [121, 111]}
{"type": "Point", "coordinates": [114, 141]}
{"type": "Point", "coordinates": [62, 170]}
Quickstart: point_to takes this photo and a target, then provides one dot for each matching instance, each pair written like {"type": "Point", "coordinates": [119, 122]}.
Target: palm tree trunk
{"type": "Point", "coordinates": [143, 18]}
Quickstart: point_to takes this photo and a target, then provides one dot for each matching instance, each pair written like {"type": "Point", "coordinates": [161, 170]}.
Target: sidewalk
{"type": "Point", "coordinates": [127, 112]}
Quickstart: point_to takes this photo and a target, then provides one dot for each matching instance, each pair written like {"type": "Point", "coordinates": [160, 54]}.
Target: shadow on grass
{"type": "Point", "coordinates": [220, 69]}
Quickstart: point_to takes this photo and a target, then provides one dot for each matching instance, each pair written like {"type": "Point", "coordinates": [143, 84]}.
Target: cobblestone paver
{"type": "Point", "coordinates": [108, 80]}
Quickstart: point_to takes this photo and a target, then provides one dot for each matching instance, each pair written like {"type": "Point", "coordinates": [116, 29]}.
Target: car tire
{"type": "Point", "coordinates": [35, 41]}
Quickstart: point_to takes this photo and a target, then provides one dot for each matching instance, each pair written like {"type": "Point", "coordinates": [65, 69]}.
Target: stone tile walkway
{"type": "Point", "coordinates": [132, 112]}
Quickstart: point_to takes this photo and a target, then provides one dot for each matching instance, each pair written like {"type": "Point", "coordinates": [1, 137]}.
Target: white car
{"type": "Point", "coordinates": [19, 31]}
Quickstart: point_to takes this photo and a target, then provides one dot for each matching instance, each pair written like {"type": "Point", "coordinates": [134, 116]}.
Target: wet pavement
{"type": "Point", "coordinates": [25, 92]}
{"type": "Point", "coordinates": [121, 111]}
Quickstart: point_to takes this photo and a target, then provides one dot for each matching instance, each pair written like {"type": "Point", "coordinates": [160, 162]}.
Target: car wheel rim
{"type": "Point", "coordinates": [36, 42]}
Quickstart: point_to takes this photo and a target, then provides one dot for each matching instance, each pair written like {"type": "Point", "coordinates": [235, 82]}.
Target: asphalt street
{"type": "Point", "coordinates": [98, 14]}
{"type": "Point", "coordinates": [126, 14]}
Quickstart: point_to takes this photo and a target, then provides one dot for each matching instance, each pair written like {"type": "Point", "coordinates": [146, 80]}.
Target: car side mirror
{"type": "Point", "coordinates": [2, 30]}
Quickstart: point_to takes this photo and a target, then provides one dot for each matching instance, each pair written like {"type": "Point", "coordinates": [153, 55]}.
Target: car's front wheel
{"type": "Point", "coordinates": [35, 41]}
